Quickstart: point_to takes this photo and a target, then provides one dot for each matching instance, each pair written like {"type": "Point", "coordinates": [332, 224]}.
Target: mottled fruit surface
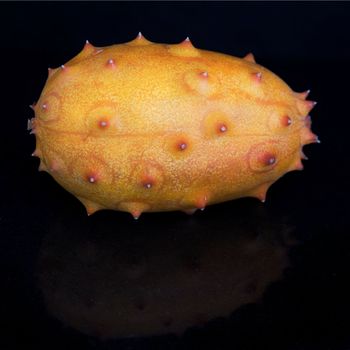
{"type": "Point", "coordinates": [142, 127]}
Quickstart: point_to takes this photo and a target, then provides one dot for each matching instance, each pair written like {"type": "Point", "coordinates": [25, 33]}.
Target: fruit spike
{"type": "Point", "coordinates": [111, 63]}
{"type": "Point", "coordinates": [136, 214]}
{"type": "Point", "coordinates": [257, 76]}
{"type": "Point", "coordinates": [303, 95]}
{"type": "Point", "coordinates": [173, 127]}
{"type": "Point", "coordinates": [187, 41]}
{"type": "Point", "coordinates": [250, 58]}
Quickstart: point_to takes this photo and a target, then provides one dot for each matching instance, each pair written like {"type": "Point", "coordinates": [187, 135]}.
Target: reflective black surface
{"type": "Point", "coordinates": [241, 274]}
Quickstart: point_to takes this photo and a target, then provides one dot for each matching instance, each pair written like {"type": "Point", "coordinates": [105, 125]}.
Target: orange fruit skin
{"type": "Point", "coordinates": [143, 127]}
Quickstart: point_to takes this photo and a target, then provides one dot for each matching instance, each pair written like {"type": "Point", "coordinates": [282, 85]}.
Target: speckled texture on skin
{"type": "Point", "coordinates": [144, 127]}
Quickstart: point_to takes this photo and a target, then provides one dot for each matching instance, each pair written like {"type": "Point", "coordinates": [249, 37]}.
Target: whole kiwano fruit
{"type": "Point", "coordinates": [143, 127]}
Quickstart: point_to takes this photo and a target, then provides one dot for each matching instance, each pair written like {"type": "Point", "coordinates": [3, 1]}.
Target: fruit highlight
{"type": "Point", "coordinates": [144, 127]}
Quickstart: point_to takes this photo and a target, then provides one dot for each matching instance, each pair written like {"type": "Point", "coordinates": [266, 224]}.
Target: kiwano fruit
{"type": "Point", "coordinates": [144, 127]}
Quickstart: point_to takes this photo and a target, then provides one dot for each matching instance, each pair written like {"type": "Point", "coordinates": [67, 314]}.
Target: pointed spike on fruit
{"type": "Point", "coordinates": [51, 72]}
{"type": "Point", "coordinates": [261, 199]}
{"type": "Point", "coordinates": [91, 207]}
{"type": "Point", "coordinates": [308, 121]}
{"type": "Point", "coordinates": [87, 49]}
{"type": "Point", "coordinates": [306, 134]}
{"type": "Point", "coordinates": [63, 68]}
{"type": "Point", "coordinates": [201, 202]}
{"type": "Point", "coordinates": [268, 159]}
{"type": "Point", "coordinates": [249, 57]}
{"type": "Point", "coordinates": [257, 76]}
{"type": "Point", "coordinates": [87, 45]}
{"type": "Point", "coordinates": [305, 106]}
{"type": "Point", "coordinates": [310, 138]}
{"type": "Point", "coordinates": [30, 124]}
{"type": "Point", "coordinates": [42, 166]}
{"type": "Point", "coordinates": [183, 49]}
{"type": "Point", "coordinates": [303, 156]}
{"type": "Point", "coordinates": [303, 95]}
{"type": "Point", "coordinates": [310, 104]}
{"type": "Point", "coordinates": [204, 74]}
{"type": "Point", "coordinates": [134, 208]}
{"type": "Point", "coordinates": [261, 196]}
{"type": "Point", "coordinates": [92, 179]}
{"type": "Point", "coordinates": [32, 106]}
{"type": "Point", "coordinates": [186, 42]}
{"type": "Point", "coordinates": [111, 63]}
{"type": "Point", "coordinates": [54, 166]}
{"type": "Point", "coordinates": [139, 40]}
{"type": "Point", "coordinates": [36, 153]}
{"type": "Point", "coordinates": [261, 191]}
{"type": "Point", "coordinates": [298, 165]}
{"type": "Point", "coordinates": [136, 214]}
{"type": "Point", "coordinates": [90, 210]}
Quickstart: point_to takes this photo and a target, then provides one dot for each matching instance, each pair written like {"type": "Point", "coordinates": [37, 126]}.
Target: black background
{"type": "Point", "coordinates": [307, 45]}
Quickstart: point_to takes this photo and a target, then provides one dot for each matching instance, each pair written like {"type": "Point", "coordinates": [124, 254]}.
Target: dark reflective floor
{"type": "Point", "coordinates": [158, 279]}
{"type": "Point", "coordinates": [241, 274]}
